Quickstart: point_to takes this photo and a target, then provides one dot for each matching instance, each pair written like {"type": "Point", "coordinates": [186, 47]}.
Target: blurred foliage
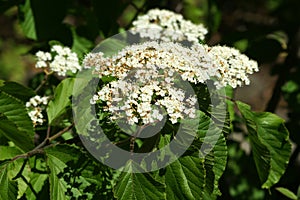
{"type": "Point", "coordinates": [266, 30]}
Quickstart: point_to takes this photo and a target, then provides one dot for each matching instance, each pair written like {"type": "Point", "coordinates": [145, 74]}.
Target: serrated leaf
{"type": "Point", "coordinates": [8, 187]}
{"type": "Point", "coordinates": [61, 100]}
{"type": "Point", "coordinates": [215, 164]}
{"type": "Point", "coordinates": [69, 166]}
{"type": "Point", "coordinates": [135, 186]}
{"type": "Point", "coordinates": [57, 157]}
{"type": "Point", "coordinates": [270, 144]}
{"type": "Point", "coordinates": [214, 150]}
{"type": "Point", "coordinates": [16, 124]}
{"type": "Point", "coordinates": [13, 167]}
{"type": "Point", "coordinates": [286, 192]}
{"type": "Point", "coordinates": [58, 188]}
{"type": "Point", "coordinates": [17, 90]}
{"type": "Point", "coordinates": [37, 182]}
{"type": "Point", "coordinates": [185, 178]}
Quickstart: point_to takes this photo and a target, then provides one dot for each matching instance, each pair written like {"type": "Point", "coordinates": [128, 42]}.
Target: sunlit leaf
{"type": "Point", "coordinates": [8, 186]}
{"type": "Point", "coordinates": [185, 178]}
{"type": "Point", "coordinates": [270, 144]}
{"type": "Point", "coordinates": [135, 186]}
{"type": "Point", "coordinates": [72, 174]}
{"type": "Point", "coordinates": [61, 100]}
{"type": "Point", "coordinates": [286, 192]}
{"type": "Point", "coordinates": [13, 167]}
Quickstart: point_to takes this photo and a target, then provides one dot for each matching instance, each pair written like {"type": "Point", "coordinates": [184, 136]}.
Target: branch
{"type": "Point", "coordinates": [39, 149]}
{"type": "Point", "coordinates": [60, 133]}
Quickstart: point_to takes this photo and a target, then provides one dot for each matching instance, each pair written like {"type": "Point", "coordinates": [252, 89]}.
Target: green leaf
{"type": "Point", "coordinates": [112, 45]}
{"type": "Point", "coordinates": [185, 178]}
{"type": "Point", "coordinates": [286, 192]}
{"type": "Point", "coordinates": [270, 144]}
{"type": "Point", "coordinates": [72, 174]}
{"type": "Point", "coordinates": [61, 101]}
{"type": "Point", "coordinates": [138, 186]}
{"type": "Point", "coordinates": [28, 23]}
{"type": "Point", "coordinates": [14, 167]}
{"type": "Point", "coordinates": [215, 164]}
{"type": "Point", "coordinates": [42, 20]}
{"type": "Point", "coordinates": [57, 158]}
{"type": "Point", "coordinates": [8, 152]}
{"type": "Point", "coordinates": [37, 182]}
{"type": "Point", "coordinates": [81, 45]}
{"type": "Point", "coordinates": [8, 187]}
{"type": "Point", "coordinates": [215, 154]}
{"type": "Point", "coordinates": [16, 124]}
{"type": "Point", "coordinates": [17, 90]}
{"type": "Point", "coordinates": [290, 87]}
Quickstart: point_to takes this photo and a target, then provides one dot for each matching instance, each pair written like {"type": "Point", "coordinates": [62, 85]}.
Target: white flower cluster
{"type": "Point", "coordinates": [35, 108]}
{"type": "Point", "coordinates": [135, 101]}
{"type": "Point", "coordinates": [168, 26]}
{"type": "Point", "coordinates": [145, 96]}
{"type": "Point", "coordinates": [233, 66]}
{"type": "Point", "coordinates": [193, 64]}
{"type": "Point", "coordinates": [60, 60]}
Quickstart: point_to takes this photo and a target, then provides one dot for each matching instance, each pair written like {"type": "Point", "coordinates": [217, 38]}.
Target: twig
{"type": "Point", "coordinates": [132, 138]}
{"type": "Point", "coordinates": [60, 133]}
{"type": "Point", "coordinates": [39, 148]}
{"type": "Point", "coordinates": [43, 81]}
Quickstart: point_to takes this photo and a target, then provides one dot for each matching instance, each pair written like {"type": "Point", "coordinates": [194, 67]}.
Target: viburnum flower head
{"type": "Point", "coordinates": [166, 25]}
{"type": "Point", "coordinates": [59, 59]}
{"type": "Point", "coordinates": [195, 64]}
{"type": "Point", "coordinates": [144, 90]}
{"type": "Point", "coordinates": [192, 63]}
{"type": "Point", "coordinates": [145, 96]}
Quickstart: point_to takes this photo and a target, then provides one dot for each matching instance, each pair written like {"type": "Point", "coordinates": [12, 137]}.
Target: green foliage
{"type": "Point", "coordinates": [37, 163]}
{"type": "Point", "coordinates": [9, 190]}
{"type": "Point", "coordinates": [287, 193]}
{"type": "Point", "coordinates": [61, 100]}
{"type": "Point", "coordinates": [270, 144]}
{"type": "Point", "coordinates": [15, 123]}
{"type": "Point", "coordinates": [132, 185]}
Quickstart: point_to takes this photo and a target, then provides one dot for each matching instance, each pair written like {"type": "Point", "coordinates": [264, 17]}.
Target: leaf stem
{"type": "Point", "coordinates": [43, 81]}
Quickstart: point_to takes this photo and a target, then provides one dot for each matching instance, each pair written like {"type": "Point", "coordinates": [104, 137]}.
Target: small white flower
{"type": "Point", "coordinates": [63, 60]}
{"type": "Point", "coordinates": [232, 65]}
{"type": "Point", "coordinates": [167, 26]}
{"type": "Point", "coordinates": [35, 108]}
